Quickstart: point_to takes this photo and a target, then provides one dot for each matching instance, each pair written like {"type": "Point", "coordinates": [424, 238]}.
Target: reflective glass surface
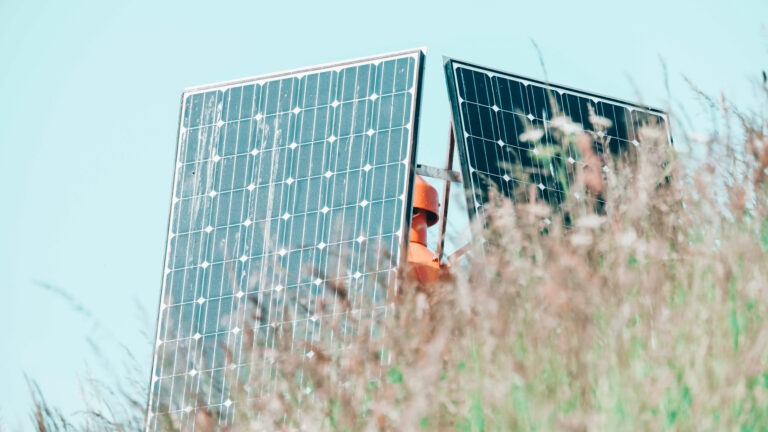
{"type": "Point", "coordinates": [520, 137]}
{"type": "Point", "coordinates": [289, 191]}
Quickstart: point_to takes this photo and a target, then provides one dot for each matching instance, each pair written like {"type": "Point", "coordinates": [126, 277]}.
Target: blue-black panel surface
{"type": "Point", "coordinates": [518, 136]}
{"type": "Point", "coordinates": [288, 189]}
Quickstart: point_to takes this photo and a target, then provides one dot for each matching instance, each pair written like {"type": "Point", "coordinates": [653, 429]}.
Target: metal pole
{"type": "Point", "coordinates": [446, 195]}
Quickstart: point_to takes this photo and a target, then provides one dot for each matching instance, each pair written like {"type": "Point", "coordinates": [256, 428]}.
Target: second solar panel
{"type": "Point", "coordinates": [533, 141]}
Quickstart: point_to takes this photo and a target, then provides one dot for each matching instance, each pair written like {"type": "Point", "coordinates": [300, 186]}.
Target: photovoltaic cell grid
{"type": "Point", "coordinates": [512, 135]}
{"type": "Point", "coordinates": [286, 188]}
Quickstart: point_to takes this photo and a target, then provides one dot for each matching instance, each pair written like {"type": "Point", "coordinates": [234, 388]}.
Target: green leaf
{"type": "Point", "coordinates": [476, 415]}
{"type": "Point", "coordinates": [764, 234]}
{"type": "Point", "coordinates": [394, 375]}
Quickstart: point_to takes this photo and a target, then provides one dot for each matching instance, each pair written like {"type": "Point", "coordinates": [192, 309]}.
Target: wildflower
{"type": "Point", "coordinates": [600, 121]}
{"type": "Point", "coordinates": [531, 135]}
{"type": "Point", "coordinates": [590, 221]}
{"type": "Point", "coordinates": [581, 239]}
{"type": "Point", "coordinates": [650, 133]}
{"type": "Point", "coordinates": [566, 125]}
{"type": "Point", "coordinates": [627, 238]}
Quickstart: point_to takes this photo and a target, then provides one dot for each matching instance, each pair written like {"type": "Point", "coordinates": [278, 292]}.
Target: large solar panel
{"type": "Point", "coordinates": [518, 137]}
{"type": "Point", "coordinates": [288, 189]}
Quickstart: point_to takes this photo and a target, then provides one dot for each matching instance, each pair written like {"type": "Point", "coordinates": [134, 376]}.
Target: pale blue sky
{"type": "Point", "coordinates": [89, 101]}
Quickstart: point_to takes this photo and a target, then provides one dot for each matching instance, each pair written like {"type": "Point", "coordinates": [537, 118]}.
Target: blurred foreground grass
{"type": "Point", "coordinates": [651, 316]}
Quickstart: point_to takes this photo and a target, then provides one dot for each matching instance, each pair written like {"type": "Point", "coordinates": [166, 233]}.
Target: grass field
{"type": "Point", "coordinates": [652, 316]}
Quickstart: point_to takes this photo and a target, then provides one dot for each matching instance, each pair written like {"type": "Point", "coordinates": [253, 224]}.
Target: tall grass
{"type": "Point", "coordinates": [651, 316]}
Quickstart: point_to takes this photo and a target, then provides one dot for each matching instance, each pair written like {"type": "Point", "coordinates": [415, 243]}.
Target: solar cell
{"type": "Point", "coordinates": [523, 138]}
{"type": "Point", "coordinates": [286, 187]}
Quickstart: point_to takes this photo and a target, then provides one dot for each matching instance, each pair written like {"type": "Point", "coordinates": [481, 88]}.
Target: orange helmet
{"type": "Point", "coordinates": [425, 199]}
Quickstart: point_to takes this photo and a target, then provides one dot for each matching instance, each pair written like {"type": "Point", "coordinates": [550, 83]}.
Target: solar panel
{"type": "Point", "coordinates": [522, 138]}
{"type": "Point", "coordinates": [287, 187]}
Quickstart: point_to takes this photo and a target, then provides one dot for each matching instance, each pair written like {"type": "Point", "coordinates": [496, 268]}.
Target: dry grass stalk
{"type": "Point", "coordinates": [650, 316]}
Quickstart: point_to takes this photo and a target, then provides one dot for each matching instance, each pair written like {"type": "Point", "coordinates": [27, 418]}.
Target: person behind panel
{"type": "Point", "coordinates": [424, 265]}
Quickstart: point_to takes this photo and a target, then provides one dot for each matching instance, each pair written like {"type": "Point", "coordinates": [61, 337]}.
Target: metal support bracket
{"type": "Point", "coordinates": [438, 173]}
{"type": "Point", "coordinates": [448, 175]}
